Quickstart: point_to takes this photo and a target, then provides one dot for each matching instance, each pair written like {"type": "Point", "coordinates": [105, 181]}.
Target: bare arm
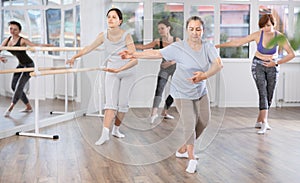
{"type": "Point", "coordinates": [147, 46]}
{"type": "Point", "coordinates": [151, 54]}
{"type": "Point", "coordinates": [97, 42]}
{"type": "Point", "coordinates": [27, 42]}
{"type": "Point", "coordinates": [239, 42]}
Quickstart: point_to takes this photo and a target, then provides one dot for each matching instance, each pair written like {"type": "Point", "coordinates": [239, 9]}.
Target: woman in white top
{"type": "Point", "coordinates": [196, 60]}
{"type": "Point", "coordinates": [120, 73]}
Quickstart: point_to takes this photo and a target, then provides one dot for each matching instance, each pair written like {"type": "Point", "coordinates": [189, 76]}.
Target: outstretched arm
{"type": "Point", "coordinates": [151, 54]}
{"type": "Point", "coordinates": [97, 42]}
{"type": "Point", "coordinates": [27, 42]}
{"type": "Point", "coordinates": [147, 46]}
{"type": "Point", "coordinates": [240, 41]}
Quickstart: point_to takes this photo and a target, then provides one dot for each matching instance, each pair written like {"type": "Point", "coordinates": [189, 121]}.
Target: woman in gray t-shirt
{"type": "Point", "coordinates": [196, 61]}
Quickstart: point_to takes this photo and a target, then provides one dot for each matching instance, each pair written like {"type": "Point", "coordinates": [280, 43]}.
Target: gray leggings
{"type": "Point", "coordinates": [194, 116]}
{"type": "Point", "coordinates": [266, 79]}
{"type": "Point", "coordinates": [18, 83]}
{"type": "Point", "coordinates": [162, 79]}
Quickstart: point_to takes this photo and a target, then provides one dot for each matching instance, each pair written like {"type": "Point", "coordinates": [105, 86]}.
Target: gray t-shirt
{"type": "Point", "coordinates": [189, 61]}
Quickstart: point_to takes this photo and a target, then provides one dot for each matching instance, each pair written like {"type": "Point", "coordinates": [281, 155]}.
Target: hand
{"type": "Point", "coordinates": [126, 54]}
{"type": "Point", "coordinates": [269, 64]}
{"type": "Point", "coordinates": [3, 59]}
{"type": "Point", "coordinates": [71, 62]}
{"type": "Point", "coordinates": [198, 76]}
{"type": "Point", "coordinates": [111, 70]}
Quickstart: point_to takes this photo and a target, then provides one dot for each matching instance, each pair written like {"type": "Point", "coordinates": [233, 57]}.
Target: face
{"type": "Point", "coordinates": [14, 29]}
{"type": "Point", "coordinates": [268, 27]}
{"type": "Point", "coordinates": [195, 30]}
{"type": "Point", "coordinates": [113, 20]}
{"type": "Point", "coordinates": [163, 30]}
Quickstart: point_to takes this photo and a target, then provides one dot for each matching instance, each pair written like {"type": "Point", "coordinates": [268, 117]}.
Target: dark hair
{"type": "Point", "coordinates": [119, 13]}
{"type": "Point", "coordinates": [166, 23]}
{"type": "Point", "coordinates": [195, 18]}
{"type": "Point", "coordinates": [15, 23]}
{"type": "Point", "coordinates": [264, 20]}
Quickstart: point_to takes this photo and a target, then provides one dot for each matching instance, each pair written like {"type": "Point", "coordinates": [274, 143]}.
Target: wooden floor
{"type": "Point", "coordinates": [229, 151]}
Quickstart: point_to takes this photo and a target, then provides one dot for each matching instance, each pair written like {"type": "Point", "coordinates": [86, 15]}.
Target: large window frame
{"type": "Point", "coordinates": [253, 22]}
{"type": "Point", "coordinates": [43, 7]}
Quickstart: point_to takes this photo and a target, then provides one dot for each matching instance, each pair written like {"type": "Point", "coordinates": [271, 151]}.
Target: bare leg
{"type": "Point", "coordinates": [192, 166]}
{"type": "Point", "coordinates": [116, 131]}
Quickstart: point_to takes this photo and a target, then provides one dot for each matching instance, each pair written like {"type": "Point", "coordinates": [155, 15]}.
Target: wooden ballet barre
{"type": "Point", "coordinates": [22, 48]}
{"type": "Point", "coordinates": [30, 69]}
{"type": "Point", "coordinates": [64, 71]}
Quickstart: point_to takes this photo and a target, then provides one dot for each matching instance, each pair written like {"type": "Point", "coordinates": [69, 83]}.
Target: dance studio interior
{"type": "Point", "coordinates": [54, 141]}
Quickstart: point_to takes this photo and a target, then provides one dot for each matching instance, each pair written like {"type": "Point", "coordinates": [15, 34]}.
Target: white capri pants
{"type": "Point", "coordinates": [194, 116]}
{"type": "Point", "coordinates": [117, 88]}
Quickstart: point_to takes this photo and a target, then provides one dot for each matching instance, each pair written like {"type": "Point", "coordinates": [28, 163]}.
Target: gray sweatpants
{"type": "Point", "coordinates": [194, 116]}
{"type": "Point", "coordinates": [117, 88]}
{"type": "Point", "coordinates": [266, 79]}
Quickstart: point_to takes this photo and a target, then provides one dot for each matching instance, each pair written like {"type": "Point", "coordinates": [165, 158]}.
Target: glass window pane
{"type": "Point", "coordinates": [297, 31]}
{"type": "Point", "coordinates": [35, 2]}
{"type": "Point", "coordinates": [6, 18]}
{"type": "Point", "coordinates": [207, 15]}
{"type": "Point", "coordinates": [36, 26]}
{"type": "Point", "coordinates": [69, 31]}
{"type": "Point", "coordinates": [77, 19]}
{"type": "Point", "coordinates": [133, 14]}
{"type": "Point", "coordinates": [68, 1]}
{"type": "Point", "coordinates": [17, 2]}
{"type": "Point", "coordinates": [5, 2]}
{"type": "Point", "coordinates": [173, 12]}
{"type": "Point", "coordinates": [234, 25]}
{"type": "Point", "coordinates": [18, 15]}
{"type": "Point", "coordinates": [54, 2]}
{"type": "Point", "coordinates": [53, 17]}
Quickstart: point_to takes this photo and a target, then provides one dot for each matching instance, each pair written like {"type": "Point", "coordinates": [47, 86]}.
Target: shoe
{"type": "Point", "coordinates": [116, 132]}
{"type": "Point", "coordinates": [26, 110]}
{"type": "Point", "coordinates": [168, 116]}
{"type": "Point", "coordinates": [263, 128]}
{"type": "Point", "coordinates": [258, 125]}
{"type": "Point", "coordinates": [268, 126]}
{"type": "Point", "coordinates": [153, 118]}
{"type": "Point", "coordinates": [192, 166]}
{"type": "Point", "coordinates": [184, 155]}
{"type": "Point", "coordinates": [104, 137]}
{"type": "Point", "coordinates": [7, 113]}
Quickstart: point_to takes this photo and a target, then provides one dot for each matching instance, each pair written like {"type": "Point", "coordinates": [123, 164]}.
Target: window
{"type": "Point", "coordinates": [207, 14]}
{"type": "Point", "coordinates": [234, 26]}
{"type": "Point", "coordinates": [133, 14]}
{"type": "Point", "coordinates": [173, 12]}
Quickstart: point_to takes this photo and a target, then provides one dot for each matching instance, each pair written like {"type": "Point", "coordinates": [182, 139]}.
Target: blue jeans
{"type": "Point", "coordinates": [18, 83]}
{"type": "Point", "coordinates": [266, 79]}
{"type": "Point", "coordinates": [162, 79]}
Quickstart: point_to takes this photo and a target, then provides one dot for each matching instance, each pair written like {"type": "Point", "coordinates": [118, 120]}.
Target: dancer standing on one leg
{"type": "Point", "coordinates": [167, 69]}
{"type": "Point", "coordinates": [265, 65]}
{"type": "Point", "coordinates": [196, 60]}
{"type": "Point", "coordinates": [120, 73]}
{"type": "Point", "coordinates": [20, 79]}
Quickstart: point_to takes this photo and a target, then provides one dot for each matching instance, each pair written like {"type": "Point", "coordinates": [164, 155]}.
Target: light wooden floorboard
{"type": "Point", "coordinates": [229, 151]}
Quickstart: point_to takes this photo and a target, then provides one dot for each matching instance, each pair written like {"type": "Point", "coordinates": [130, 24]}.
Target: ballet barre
{"type": "Point", "coordinates": [63, 71]}
{"type": "Point", "coordinates": [29, 69]}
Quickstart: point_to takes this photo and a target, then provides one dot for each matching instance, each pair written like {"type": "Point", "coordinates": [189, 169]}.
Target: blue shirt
{"type": "Point", "coordinates": [189, 61]}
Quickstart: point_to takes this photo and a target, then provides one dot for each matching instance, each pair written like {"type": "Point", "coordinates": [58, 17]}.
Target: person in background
{"type": "Point", "coordinates": [120, 73]}
{"type": "Point", "coordinates": [20, 79]}
{"type": "Point", "coordinates": [196, 61]}
{"type": "Point", "coordinates": [167, 69]}
{"type": "Point", "coordinates": [265, 65]}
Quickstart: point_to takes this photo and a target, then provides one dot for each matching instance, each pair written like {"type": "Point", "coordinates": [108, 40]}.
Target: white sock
{"type": "Point", "coordinates": [192, 166]}
{"type": "Point", "coordinates": [116, 132]}
{"type": "Point", "coordinates": [104, 136]}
